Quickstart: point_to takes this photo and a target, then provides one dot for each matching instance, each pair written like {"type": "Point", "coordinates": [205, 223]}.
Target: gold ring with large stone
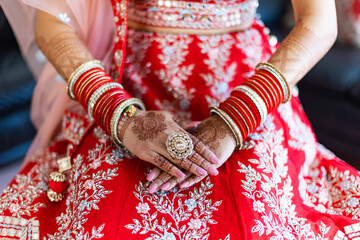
{"type": "Point", "coordinates": [179, 145]}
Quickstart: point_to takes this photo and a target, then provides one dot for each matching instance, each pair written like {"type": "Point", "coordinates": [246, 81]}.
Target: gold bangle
{"type": "Point", "coordinates": [117, 115]}
{"type": "Point", "coordinates": [256, 99]}
{"type": "Point", "coordinates": [80, 71]}
{"type": "Point", "coordinates": [279, 76]}
{"type": "Point", "coordinates": [233, 127]}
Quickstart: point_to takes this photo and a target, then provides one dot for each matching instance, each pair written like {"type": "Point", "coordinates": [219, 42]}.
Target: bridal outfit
{"type": "Point", "coordinates": [182, 57]}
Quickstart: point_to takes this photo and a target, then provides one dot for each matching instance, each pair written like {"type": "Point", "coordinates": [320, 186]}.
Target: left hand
{"type": "Point", "coordinates": [217, 136]}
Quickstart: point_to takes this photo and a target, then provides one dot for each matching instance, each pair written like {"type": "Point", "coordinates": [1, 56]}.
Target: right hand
{"type": "Point", "coordinates": [145, 135]}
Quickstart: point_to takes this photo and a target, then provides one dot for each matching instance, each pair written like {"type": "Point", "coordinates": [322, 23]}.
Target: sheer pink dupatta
{"type": "Point", "coordinates": [92, 21]}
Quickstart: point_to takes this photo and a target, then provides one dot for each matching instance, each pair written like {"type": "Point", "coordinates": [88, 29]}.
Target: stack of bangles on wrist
{"type": "Point", "coordinates": [105, 100]}
{"type": "Point", "coordinates": [250, 103]}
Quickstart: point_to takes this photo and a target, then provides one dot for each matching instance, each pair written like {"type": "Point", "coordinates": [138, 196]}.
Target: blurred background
{"type": "Point", "coordinates": [330, 93]}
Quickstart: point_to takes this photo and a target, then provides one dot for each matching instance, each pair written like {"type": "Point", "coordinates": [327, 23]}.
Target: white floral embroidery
{"type": "Point", "coordinates": [195, 224]}
{"type": "Point", "coordinates": [136, 69]}
{"type": "Point", "coordinates": [20, 195]}
{"type": "Point", "coordinates": [84, 178]}
{"type": "Point", "coordinates": [250, 42]}
{"type": "Point", "coordinates": [277, 215]}
{"type": "Point", "coordinates": [174, 49]}
{"type": "Point", "coordinates": [220, 72]}
{"type": "Point", "coordinates": [143, 208]}
{"type": "Point", "coordinates": [189, 214]}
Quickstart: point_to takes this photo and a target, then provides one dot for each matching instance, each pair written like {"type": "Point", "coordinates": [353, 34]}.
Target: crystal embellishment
{"type": "Point", "coordinates": [179, 145]}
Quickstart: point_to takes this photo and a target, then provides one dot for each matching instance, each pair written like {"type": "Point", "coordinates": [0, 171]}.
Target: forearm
{"type": "Point", "coordinates": [60, 44]}
{"type": "Point", "coordinates": [313, 35]}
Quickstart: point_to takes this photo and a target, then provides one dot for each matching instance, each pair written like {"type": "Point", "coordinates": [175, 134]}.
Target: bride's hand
{"type": "Point", "coordinates": [217, 136]}
{"type": "Point", "coordinates": [145, 135]}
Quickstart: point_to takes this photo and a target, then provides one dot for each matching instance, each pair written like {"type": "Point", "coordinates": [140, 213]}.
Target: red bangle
{"type": "Point", "coordinates": [85, 79]}
{"type": "Point", "coordinates": [243, 124]}
{"type": "Point", "coordinates": [265, 90]}
{"type": "Point", "coordinates": [250, 104]}
{"type": "Point", "coordinates": [106, 103]}
{"type": "Point", "coordinates": [84, 99]}
{"type": "Point", "coordinates": [107, 114]}
{"type": "Point", "coordinates": [233, 117]}
{"type": "Point", "coordinates": [241, 109]}
{"type": "Point", "coordinates": [274, 82]}
{"type": "Point", "coordinates": [256, 89]}
{"type": "Point", "coordinates": [101, 102]}
{"type": "Point", "coordinates": [265, 84]}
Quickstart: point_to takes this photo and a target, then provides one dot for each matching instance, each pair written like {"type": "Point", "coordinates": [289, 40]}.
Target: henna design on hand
{"type": "Point", "coordinates": [210, 133]}
{"type": "Point", "coordinates": [123, 125]}
{"type": "Point", "coordinates": [196, 158]}
{"type": "Point", "coordinates": [163, 163]}
{"type": "Point", "coordinates": [178, 121]}
{"type": "Point", "coordinates": [149, 126]}
{"type": "Point", "coordinates": [186, 164]}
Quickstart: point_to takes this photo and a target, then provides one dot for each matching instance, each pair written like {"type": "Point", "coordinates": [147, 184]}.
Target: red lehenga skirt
{"type": "Point", "coordinates": [282, 185]}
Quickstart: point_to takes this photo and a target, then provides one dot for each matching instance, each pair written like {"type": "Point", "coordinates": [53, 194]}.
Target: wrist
{"type": "Point", "coordinates": [229, 133]}
{"type": "Point", "coordinates": [105, 100]}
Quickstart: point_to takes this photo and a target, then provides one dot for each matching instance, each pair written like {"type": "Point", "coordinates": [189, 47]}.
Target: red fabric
{"type": "Point", "coordinates": [282, 185]}
{"type": "Point", "coordinates": [57, 187]}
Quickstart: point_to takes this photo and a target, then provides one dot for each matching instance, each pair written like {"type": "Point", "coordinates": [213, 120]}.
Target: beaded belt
{"type": "Point", "coordinates": [191, 17]}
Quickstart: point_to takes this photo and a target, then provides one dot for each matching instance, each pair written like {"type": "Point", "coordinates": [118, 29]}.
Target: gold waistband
{"type": "Point", "coordinates": [189, 31]}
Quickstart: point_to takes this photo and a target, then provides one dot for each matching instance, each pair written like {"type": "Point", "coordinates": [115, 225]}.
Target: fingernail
{"type": "Point", "coordinates": [165, 186]}
{"type": "Point", "coordinates": [201, 171]}
{"type": "Point", "coordinates": [180, 174]}
{"type": "Point", "coordinates": [195, 123]}
{"type": "Point", "coordinates": [214, 159]}
{"type": "Point", "coordinates": [151, 176]}
{"type": "Point", "coordinates": [184, 185]}
{"type": "Point", "coordinates": [213, 170]}
{"type": "Point", "coordinates": [152, 188]}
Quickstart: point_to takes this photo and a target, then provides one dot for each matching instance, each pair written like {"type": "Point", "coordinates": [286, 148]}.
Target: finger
{"type": "Point", "coordinates": [159, 181]}
{"type": "Point", "coordinates": [200, 148]}
{"type": "Point", "coordinates": [172, 182]}
{"type": "Point", "coordinates": [202, 162]}
{"type": "Point", "coordinates": [165, 165]}
{"type": "Point", "coordinates": [190, 126]}
{"type": "Point", "coordinates": [191, 181]}
{"type": "Point", "coordinates": [153, 174]}
{"type": "Point", "coordinates": [185, 163]}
